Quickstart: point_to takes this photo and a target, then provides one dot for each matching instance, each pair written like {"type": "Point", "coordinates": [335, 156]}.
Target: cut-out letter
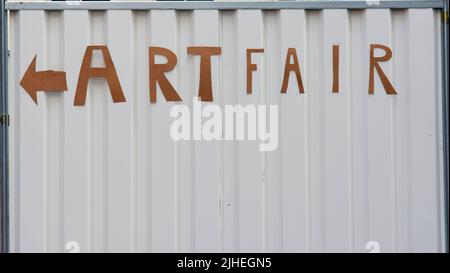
{"type": "Point", "coordinates": [335, 69]}
{"type": "Point", "coordinates": [292, 67]}
{"type": "Point", "coordinates": [108, 72]}
{"type": "Point", "coordinates": [157, 74]}
{"type": "Point", "coordinates": [375, 65]}
{"type": "Point", "coordinates": [251, 67]}
{"type": "Point", "coordinates": [205, 84]}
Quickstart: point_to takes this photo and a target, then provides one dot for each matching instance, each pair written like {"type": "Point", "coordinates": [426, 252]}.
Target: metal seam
{"type": "Point", "coordinates": [4, 166]}
{"type": "Point", "coordinates": [302, 4]}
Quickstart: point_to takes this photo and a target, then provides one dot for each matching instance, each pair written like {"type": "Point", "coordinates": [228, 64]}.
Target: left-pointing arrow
{"type": "Point", "coordinates": [47, 81]}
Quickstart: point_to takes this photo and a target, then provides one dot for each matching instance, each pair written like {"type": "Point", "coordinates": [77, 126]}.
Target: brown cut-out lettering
{"type": "Point", "coordinates": [289, 67]}
{"type": "Point", "coordinates": [251, 67]}
{"type": "Point", "coordinates": [374, 64]}
{"type": "Point", "coordinates": [108, 72]}
{"type": "Point", "coordinates": [47, 81]}
{"type": "Point", "coordinates": [335, 69]}
{"type": "Point", "coordinates": [157, 74]}
{"type": "Point", "coordinates": [205, 84]}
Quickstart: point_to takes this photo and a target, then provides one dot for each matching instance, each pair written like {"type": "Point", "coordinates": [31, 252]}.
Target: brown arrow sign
{"type": "Point", "coordinates": [47, 81]}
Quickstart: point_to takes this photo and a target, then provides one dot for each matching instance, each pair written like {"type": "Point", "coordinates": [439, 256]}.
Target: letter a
{"type": "Point", "coordinates": [292, 67]}
{"type": "Point", "coordinates": [108, 72]}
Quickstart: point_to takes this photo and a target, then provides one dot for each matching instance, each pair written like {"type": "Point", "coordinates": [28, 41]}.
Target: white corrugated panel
{"type": "Point", "coordinates": [350, 167]}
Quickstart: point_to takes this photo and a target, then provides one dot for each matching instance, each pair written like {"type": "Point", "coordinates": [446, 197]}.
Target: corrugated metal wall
{"type": "Point", "coordinates": [350, 167]}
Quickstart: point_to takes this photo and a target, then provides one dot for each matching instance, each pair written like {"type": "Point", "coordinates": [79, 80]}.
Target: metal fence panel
{"type": "Point", "coordinates": [350, 167]}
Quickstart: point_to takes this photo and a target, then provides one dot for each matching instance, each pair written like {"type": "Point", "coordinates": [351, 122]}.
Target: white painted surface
{"type": "Point", "coordinates": [349, 169]}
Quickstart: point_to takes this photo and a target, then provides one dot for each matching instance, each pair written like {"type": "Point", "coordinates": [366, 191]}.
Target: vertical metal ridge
{"type": "Point", "coordinates": [392, 136]}
{"type": "Point", "coordinates": [236, 180]}
{"type": "Point", "coordinates": [97, 99]}
{"type": "Point", "coordinates": [139, 128]}
{"type": "Point", "coordinates": [193, 149]}
{"type": "Point", "coordinates": [228, 228]}
{"type": "Point", "coordinates": [445, 121]}
{"type": "Point", "coordinates": [322, 91]}
{"type": "Point", "coordinates": [89, 154]}
{"type": "Point", "coordinates": [357, 26]}
{"type": "Point", "coordinates": [220, 159]}
{"type": "Point", "coordinates": [263, 159]}
{"type": "Point", "coordinates": [438, 113]}
{"type": "Point", "coordinates": [45, 152]}
{"type": "Point", "coordinates": [218, 143]}
{"type": "Point", "coordinates": [106, 140]}
{"type": "Point", "coordinates": [280, 145]}
{"type": "Point", "coordinates": [351, 19]}
{"type": "Point", "coordinates": [365, 139]}
{"type": "Point", "coordinates": [176, 145]}
{"type": "Point", "coordinates": [53, 139]}
{"type": "Point", "coordinates": [409, 131]}
{"type": "Point", "coordinates": [269, 66]}
{"type": "Point", "coordinates": [4, 163]}
{"type": "Point", "coordinates": [133, 138]}
{"type": "Point", "coordinates": [14, 225]}
{"type": "Point", "coordinates": [322, 175]}
{"type": "Point", "coordinates": [307, 140]}
{"type": "Point", "coordinates": [149, 205]}
{"type": "Point", "coordinates": [63, 133]}
{"type": "Point", "coordinates": [315, 94]}
{"type": "Point", "coordinates": [349, 88]}
{"type": "Point", "coordinates": [366, 187]}
{"type": "Point", "coordinates": [441, 157]}
{"type": "Point", "coordinates": [403, 25]}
